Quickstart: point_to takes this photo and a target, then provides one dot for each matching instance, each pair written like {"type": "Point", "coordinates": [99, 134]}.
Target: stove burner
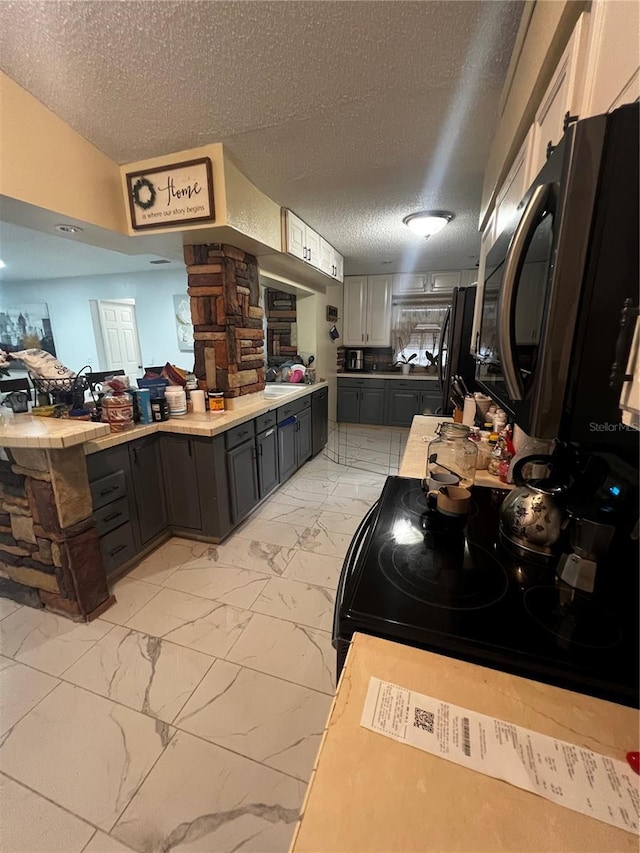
{"type": "Point", "coordinates": [444, 570]}
{"type": "Point", "coordinates": [576, 620]}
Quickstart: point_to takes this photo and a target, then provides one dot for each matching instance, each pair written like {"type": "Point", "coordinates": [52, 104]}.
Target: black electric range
{"type": "Point", "coordinates": [415, 576]}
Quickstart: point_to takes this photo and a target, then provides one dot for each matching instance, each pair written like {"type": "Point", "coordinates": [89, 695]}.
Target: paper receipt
{"type": "Point", "coordinates": [603, 788]}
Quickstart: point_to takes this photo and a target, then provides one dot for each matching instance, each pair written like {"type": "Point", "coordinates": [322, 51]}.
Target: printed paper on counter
{"type": "Point", "coordinates": [578, 778]}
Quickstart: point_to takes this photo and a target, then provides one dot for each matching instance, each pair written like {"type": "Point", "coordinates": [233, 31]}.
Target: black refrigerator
{"type": "Point", "coordinates": [455, 357]}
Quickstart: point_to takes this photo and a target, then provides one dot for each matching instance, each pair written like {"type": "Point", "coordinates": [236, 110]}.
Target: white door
{"type": "Point", "coordinates": [379, 290]}
{"type": "Point", "coordinates": [120, 337]}
{"type": "Point", "coordinates": [296, 236]}
{"type": "Point", "coordinates": [355, 310]}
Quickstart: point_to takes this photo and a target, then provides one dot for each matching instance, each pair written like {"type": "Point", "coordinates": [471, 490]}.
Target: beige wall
{"type": "Point", "coordinates": [43, 162]}
{"type": "Point", "coordinates": [547, 33]}
{"type": "Point", "coordinates": [249, 210]}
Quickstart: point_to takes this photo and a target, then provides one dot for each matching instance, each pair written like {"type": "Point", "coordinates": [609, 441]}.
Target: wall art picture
{"type": "Point", "coordinates": [26, 327]}
{"type": "Point", "coordinates": [184, 326]}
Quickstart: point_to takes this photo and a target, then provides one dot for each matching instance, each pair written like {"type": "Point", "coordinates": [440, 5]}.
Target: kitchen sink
{"type": "Point", "coordinates": [275, 390]}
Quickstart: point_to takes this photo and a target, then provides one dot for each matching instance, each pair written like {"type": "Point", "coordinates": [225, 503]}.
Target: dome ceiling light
{"type": "Point", "coordinates": [426, 223]}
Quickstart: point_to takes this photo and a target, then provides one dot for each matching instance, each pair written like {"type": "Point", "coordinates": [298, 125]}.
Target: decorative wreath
{"type": "Point", "coordinates": [141, 183]}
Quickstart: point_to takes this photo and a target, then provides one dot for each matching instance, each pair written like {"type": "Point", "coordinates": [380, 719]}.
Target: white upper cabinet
{"type": "Point", "coordinates": [303, 242]}
{"type": "Point", "coordinates": [444, 282]}
{"type": "Point", "coordinates": [296, 236]}
{"type": "Point", "coordinates": [613, 68]}
{"type": "Point", "coordinates": [563, 96]}
{"type": "Point", "coordinates": [379, 291]}
{"type": "Point", "coordinates": [486, 242]}
{"type": "Point", "coordinates": [405, 283]}
{"type": "Point", "coordinates": [355, 310]}
{"type": "Point", "coordinates": [515, 185]}
{"type": "Point", "coordinates": [367, 310]}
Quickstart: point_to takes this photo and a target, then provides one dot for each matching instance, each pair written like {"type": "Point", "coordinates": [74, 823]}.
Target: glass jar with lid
{"type": "Point", "coordinates": [451, 451]}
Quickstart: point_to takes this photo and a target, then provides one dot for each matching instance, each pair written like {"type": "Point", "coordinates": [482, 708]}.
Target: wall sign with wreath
{"type": "Point", "coordinates": [170, 195]}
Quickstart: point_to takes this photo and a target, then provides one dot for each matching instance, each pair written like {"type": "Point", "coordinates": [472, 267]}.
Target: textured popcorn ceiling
{"type": "Point", "coordinates": [353, 114]}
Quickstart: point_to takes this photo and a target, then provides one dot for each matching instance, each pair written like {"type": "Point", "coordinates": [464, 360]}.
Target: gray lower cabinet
{"type": "Point", "coordinates": [181, 482]}
{"type": "Point", "coordinates": [430, 403]}
{"type": "Point", "coordinates": [148, 486]}
{"type": "Point", "coordinates": [393, 402]}
{"type": "Point", "coordinates": [114, 506]}
{"type": "Point", "coordinates": [303, 437]}
{"type": "Point", "coordinates": [348, 405]}
{"type": "Point", "coordinates": [268, 475]}
{"type": "Point", "coordinates": [287, 455]}
{"type": "Point", "coordinates": [371, 406]}
{"type": "Point", "coordinates": [402, 405]}
{"type": "Point", "coordinates": [242, 471]}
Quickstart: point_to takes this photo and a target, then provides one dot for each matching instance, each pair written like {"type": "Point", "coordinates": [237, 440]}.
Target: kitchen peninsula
{"type": "Point", "coordinates": [383, 795]}
{"type": "Point", "coordinates": [80, 503]}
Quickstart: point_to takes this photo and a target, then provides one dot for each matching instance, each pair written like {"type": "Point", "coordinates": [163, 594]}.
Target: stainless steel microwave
{"type": "Point", "coordinates": [558, 281]}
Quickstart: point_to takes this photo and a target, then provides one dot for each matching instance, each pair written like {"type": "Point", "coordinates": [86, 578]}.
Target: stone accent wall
{"type": "Point", "coordinates": [49, 551]}
{"type": "Point", "coordinates": [227, 318]}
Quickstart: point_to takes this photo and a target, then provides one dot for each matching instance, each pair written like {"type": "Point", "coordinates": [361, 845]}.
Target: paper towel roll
{"type": "Point", "coordinates": [469, 411]}
{"type": "Point", "coordinates": [197, 402]}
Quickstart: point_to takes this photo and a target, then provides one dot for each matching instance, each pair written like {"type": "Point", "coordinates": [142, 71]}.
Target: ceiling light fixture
{"type": "Point", "coordinates": [2, 265]}
{"type": "Point", "coordinates": [69, 229]}
{"type": "Point", "coordinates": [426, 223]}
{"type": "Point", "coordinates": [162, 261]}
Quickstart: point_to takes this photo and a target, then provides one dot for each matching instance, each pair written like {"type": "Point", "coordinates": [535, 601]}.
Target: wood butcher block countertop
{"type": "Point", "coordinates": [371, 793]}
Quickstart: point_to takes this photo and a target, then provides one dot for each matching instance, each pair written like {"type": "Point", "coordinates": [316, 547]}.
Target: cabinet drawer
{"type": "Point", "coordinates": [117, 547]}
{"type": "Point", "coordinates": [237, 435]}
{"type": "Point", "coordinates": [265, 421]}
{"type": "Point", "coordinates": [409, 384]}
{"type": "Point", "coordinates": [293, 408]}
{"type": "Point", "coordinates": [111, 516]}
{"type": "Point", "coordinates": [361, 383]}
{"type": "Point", "coordinates": [108, 489]}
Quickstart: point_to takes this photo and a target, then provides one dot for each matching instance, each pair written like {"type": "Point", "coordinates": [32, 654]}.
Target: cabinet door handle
{"type": "Point", "coordinates": [363, 337]}
{"type": "Point", "coordinates": [304, 252]}
{"type": "Point", "coordinates": [109, 490]}
{"type": "Point", "coordinates": [190, 448]}
{"type": "Point", "coordinates": [117, 550]}
{"type": "Point", "coordinates": [309, 258]}
{"type": "Point", "coordinates": [268, 433]}
{"type": "Point", "coordinates": [112, 516]}
{"type": "Point", "coordinates": [134, 450]}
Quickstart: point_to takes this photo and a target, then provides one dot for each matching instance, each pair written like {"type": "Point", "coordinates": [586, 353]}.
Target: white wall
{"type": "Point", "coordinates": [69, 310]}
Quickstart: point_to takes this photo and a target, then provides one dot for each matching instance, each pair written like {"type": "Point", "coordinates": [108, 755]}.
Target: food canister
{"type": "Point", "coordinates": [160, 409]}
{"type": "Point", "coordinates": [177, 400]}
{"type": "Point", "coordinates": [216, 401]}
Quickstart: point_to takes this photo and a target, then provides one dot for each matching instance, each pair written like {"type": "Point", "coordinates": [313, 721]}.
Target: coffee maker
{"type": "Point", "coordinates": [354, 360]}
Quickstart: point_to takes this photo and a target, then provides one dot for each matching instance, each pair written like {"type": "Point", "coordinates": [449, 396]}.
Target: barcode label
{"type": "Point", "coordinates": [423, 720]}
{"type": "Point", "coordinates": [466, 737]}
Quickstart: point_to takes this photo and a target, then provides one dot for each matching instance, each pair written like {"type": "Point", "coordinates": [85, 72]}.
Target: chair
{"type": "Point", "coordinates": [8, 385]}
{"type": "Point", "coordinates": [94, 379]}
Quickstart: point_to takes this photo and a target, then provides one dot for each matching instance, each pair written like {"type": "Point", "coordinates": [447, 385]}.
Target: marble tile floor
{"type": "Point", "coordinates": [188, 717]}
{"type": "Point", "coordinates": [374, 449]}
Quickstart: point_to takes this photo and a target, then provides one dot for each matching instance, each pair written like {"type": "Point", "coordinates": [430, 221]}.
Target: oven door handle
{"type": "Point", "coordinates": [513, 263]}
{"type": "Point", "coordinates": [443, 341]}
{"type": "Point", "coordinates": [348, 567]}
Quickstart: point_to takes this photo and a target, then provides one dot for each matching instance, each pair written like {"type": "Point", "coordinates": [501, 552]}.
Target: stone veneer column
{"type": "Point", "coordinates": [227, 318]}
{"type": "Point", "coordinates": [49, 550]}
